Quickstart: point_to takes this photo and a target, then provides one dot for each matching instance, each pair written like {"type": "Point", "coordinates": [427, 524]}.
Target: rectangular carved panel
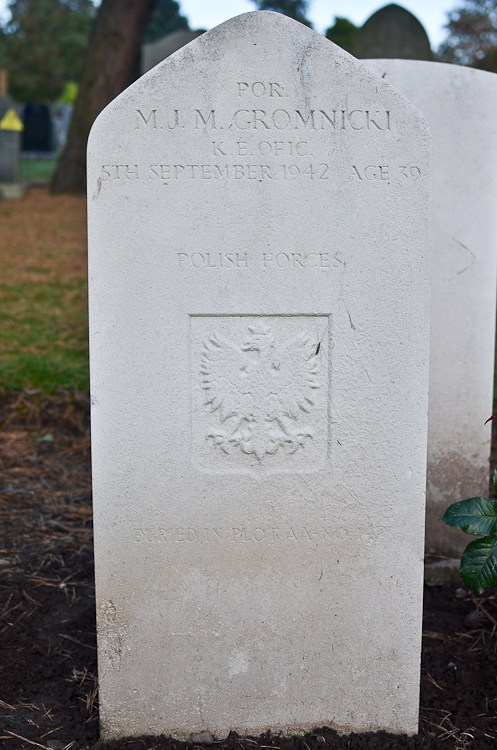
{"type": "Point", "coordinates": [259, 392]}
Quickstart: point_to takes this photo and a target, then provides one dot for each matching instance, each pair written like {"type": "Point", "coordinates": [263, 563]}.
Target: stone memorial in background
{"type": "Point", "coordinates": [153, 53]}
{"type": "Point", "coordinates": [9, 142]}
{"type": "Point", "coordinates": [392, 32]}
{"type": "Point", "coordinates": [259, 317]}
{"type": "Point", "coordinates": [61, 116]}
{"type": "Point", "coordinates": [10, 132]}
{"type": "Point", "coordinates": [464, 260]}
{"type": "Point", "coordinates": [37, 137]}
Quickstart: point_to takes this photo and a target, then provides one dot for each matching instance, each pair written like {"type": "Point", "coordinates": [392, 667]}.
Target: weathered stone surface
{"type": "Point", "coordinates": [259, 312]}
{"type": "Point", "coordinates": [392, 32]}
{"type": "Point", "coordinates": [464, 273]}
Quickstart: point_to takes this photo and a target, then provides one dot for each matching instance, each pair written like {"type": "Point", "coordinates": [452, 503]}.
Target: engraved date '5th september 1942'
{"type": "Point", "coordinates": [172, 173]}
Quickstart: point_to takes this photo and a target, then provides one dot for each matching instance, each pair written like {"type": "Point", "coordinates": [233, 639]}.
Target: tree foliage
{"type": "Point", "coordinates": [44, 44]}
{"type": "Point", "coordinates": [166, 18]}
{"type": "Point", "coordinates": [342, 33]}
{"type": "Point", "coordinates": [293, 8]}
{"type": "Point", "coordinates": [472, 35]}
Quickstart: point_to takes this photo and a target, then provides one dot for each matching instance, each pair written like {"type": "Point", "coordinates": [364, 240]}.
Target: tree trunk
{"type": "Point", "coordinates": [111, 66]}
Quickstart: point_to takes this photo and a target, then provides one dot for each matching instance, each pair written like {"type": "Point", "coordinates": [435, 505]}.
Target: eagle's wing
{"type": "Point", "coordinates": [221, 368]}
{"type": "Point", "coordinates": [295, 368]}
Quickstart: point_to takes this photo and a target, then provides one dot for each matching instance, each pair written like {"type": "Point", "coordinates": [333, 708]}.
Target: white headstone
{"type": "Point", "coordinates": [259, 312]}
{"type": "Point", "coordinates": [464, 263]}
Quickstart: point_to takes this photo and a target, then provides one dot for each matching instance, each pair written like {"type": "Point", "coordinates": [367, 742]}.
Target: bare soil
{"type": "Point", "coordinates": [48, 683]}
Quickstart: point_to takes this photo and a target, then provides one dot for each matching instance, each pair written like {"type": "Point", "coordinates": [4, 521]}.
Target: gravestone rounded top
{"type": "Point", "coordinates": [392, 32]}
{"type": "Point", "coordinates": [251, 46]}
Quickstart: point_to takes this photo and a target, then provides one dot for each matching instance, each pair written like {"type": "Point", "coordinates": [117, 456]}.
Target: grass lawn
{"type": "Point", "coordinates": [37, 170]}
{"type": "Point", "coordinates": [43, 293]}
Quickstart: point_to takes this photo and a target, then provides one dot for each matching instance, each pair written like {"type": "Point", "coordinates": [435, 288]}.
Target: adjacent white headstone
{"type": "Point", "coordinates": [259, 312]}
{"type": "Point", "coordinates": [464, 263]}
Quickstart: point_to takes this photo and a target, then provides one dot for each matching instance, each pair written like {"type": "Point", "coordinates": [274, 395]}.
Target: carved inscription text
{"type": "Point", "coordinates": [277, 119]}
{"type": "Point", "coordinates": [250, 533]}
{"type": "Point", "coordinates": [273, 261]}
{"type": "Point", "coordinates": [305, 170]}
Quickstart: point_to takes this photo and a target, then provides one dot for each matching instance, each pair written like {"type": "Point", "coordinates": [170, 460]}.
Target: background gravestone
{"type": "Point", "coordinates": [10, 127]}
{"type": "Point", "coordinates": [259, 319]}
{"type": "Point", "coordinates": [153, 53]}
{"type": "Point", "coordinates": [392, 32]}
{"type": "Point", "coordinates": [9, 146]}
{"type": "Point", "coordinates": [37, 136]}
{"type": "Point", "coordinates": [61, 115]}
{"type": "Point", "coordinates": [464, 261]}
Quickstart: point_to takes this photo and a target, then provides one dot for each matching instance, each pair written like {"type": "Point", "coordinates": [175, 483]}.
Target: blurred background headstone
{"type": "Point", "coordinates": [37, 137]}
{"type": "Point", "coordinates": [10, 132]}
{"type": "Point", "coordinates": [61, 119]}
{"type": "Point", "coordinates": [392, 32]}
{"type": "Point", "coordinates": [154, 52]}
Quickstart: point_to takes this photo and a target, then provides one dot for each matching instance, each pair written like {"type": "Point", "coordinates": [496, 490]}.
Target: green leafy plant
{"type": "Point", "coordinates": [477, 516]}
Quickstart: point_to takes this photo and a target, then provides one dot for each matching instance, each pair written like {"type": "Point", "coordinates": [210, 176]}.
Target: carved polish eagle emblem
{"type": "Point", "coordinates": [261, 392]}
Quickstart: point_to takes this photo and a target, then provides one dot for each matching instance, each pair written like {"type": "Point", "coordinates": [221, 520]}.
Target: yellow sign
{"type": "Point", "coordinates": [10, 121]}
